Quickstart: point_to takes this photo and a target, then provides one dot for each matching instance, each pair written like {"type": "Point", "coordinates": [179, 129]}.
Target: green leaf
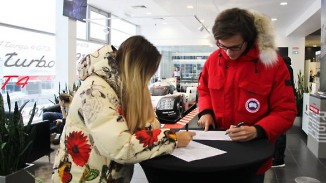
{"type": "Point", "coordinates": [300, 89]}
{"type": "Point", "coordinates": [22, 107]}
{"type": "Point", "coordinates": [16, 139]}
{"type": "Point", "coordinates": [3, 145]}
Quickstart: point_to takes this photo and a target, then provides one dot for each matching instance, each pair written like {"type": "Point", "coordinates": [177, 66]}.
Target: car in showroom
{"type": "Point", "coordinates": [170, 105]}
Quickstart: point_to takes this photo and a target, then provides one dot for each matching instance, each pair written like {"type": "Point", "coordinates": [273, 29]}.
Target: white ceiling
{"type": "Point", "coordinates": [172, 20]}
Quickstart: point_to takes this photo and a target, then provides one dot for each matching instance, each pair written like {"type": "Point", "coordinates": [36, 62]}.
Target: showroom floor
{"type": "Point", "coordinates": [299, 160]}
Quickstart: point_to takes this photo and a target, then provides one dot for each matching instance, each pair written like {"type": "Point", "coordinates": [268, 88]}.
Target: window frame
{"type": "Point", "coordinates": [89, 25]}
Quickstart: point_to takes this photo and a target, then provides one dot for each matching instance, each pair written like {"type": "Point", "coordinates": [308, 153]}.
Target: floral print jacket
{"type": "Point", "coordinates": [96, 145]}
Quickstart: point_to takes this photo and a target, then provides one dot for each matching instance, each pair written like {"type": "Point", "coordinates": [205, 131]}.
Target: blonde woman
{"type": "Point", "coordinates": [111, 123]}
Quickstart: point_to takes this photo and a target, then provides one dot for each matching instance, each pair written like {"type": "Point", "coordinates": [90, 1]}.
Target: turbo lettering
{"type": "Point", "coordinates": [12, 61]}
{"type": "Point", "coordinates": [22, 81]}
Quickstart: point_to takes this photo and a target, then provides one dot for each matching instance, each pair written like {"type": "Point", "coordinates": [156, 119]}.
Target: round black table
{"type": "Point", "coordinates": [239, 164]}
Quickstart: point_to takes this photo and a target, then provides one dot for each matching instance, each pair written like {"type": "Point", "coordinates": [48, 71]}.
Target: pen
{"type": "Point", "coordinates": [238, 125]}
{"type": "Point", "coordinates": [187, 127]}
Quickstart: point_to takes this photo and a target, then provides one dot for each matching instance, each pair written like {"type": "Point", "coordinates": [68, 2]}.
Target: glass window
{"type": "Point", "coordinates": [28, 58]}
{"type": "Point", "coordinates": [121, 30]}
{"type": "Point", "coordinates": [33, 14]}
{"type": "Point", "coordinates": [98, 22]}
{"type": "Point", "coordinates": [27, 52]}
{"type": "Point", "coordinates": [27, 63]}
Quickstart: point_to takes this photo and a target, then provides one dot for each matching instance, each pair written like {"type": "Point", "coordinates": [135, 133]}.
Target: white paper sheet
{"type": "Point", "coordinates": [210, 135]}
{"type": "Point", "coordinates": [195, 151]}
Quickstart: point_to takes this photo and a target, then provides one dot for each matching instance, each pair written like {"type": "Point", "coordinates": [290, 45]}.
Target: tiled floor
{"type": "Point", "coordinates": [299, 162]}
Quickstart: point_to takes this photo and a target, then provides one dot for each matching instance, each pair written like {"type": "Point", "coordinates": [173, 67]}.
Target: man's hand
{"type": "Point", "coordinates": [242, 133]}
{"type": "Point", "coordinates": [58, 121]}
{"type": "Point", "coordinates": [205, 121]}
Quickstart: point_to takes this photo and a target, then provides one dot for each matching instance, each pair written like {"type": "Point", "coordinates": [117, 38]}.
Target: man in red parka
{"type": "Point", "coordinates": [245, 80]}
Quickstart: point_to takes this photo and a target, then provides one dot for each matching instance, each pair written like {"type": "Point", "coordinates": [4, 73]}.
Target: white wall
{"type": "Point", "coordinates": [171, 36]}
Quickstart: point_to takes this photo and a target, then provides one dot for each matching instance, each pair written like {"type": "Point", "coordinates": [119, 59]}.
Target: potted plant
{"type": "Point", "coordinates": [70, 92]}
{"type": "Point", "coordinates": [16, 139]}
{"type": "Point", "coordinates": [300, 89]}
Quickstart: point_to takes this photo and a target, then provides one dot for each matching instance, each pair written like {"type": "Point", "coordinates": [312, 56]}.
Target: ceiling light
{"type": "Point", "coordinates": [274, 19]}
{"type": "Point", "coordinates": [158, 18]}
{"type": "Point", "coordinates": [202, 26]}
{"type": "Point", "coordinates": [139, 6]}
{"type": "Point", "coordinates": [190, 6]}
{"type": "Point", "coordinates": [283, 3]}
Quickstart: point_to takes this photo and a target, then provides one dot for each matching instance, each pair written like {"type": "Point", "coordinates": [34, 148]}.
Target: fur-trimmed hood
{"type": "Point", "coordinates": [265, 38]}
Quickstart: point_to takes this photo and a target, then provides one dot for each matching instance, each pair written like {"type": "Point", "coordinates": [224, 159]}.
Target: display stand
{"type": "Point", "coordinates": [305, 112]}
{"type": "Point", "coordinates": [317, 125]}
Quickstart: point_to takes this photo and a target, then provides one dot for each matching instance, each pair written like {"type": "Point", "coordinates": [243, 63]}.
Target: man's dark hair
{"type": "Point", "coordinates": [235, 21]}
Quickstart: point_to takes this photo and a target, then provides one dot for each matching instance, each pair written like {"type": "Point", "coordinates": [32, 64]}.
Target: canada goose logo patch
{"type": "Point", "coordinates": [252, 105]}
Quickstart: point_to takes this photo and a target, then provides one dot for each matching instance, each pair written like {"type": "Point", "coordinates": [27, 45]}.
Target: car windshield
{"type": "Point", "coordinates": [159, 90]}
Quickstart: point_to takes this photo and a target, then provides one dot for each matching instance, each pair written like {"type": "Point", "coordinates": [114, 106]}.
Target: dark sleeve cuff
{"type": "Point", "coordinates": [207, 111]}
{"type": "Point", "coordinates": [261, 134]}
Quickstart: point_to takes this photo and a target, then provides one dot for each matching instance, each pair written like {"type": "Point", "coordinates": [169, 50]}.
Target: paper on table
{"type": "Point", "coordinates": [195, 151]}
{"type": "Point", "coordinates": [210, 135]}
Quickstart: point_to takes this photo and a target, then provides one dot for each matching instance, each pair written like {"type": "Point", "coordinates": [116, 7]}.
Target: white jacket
{"type": "Point", "coordinates": [96, 145]}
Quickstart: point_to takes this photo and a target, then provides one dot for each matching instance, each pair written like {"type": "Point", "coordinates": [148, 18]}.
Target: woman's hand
{"type": "Point", "coordinates": [184, 137]}
{"type": "Point", "coordinates": [58, 121]}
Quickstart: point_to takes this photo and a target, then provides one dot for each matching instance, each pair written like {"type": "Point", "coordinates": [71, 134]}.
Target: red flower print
{"type": "Point", "coordinates": [147, 137]}
{"type": "Point", "coordinates": [66, 177]}
{"type": "Point", "coordinates": [77, 147]}
{"type": "Point", "coordinates": [120, 111]}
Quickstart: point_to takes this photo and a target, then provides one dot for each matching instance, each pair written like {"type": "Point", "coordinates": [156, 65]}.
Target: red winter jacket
{"type": "Point", "coordinates": [249, 90]}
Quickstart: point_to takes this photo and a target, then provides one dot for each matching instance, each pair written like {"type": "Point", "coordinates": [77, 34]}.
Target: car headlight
{"type": "Point", "coordinates": [166, 103]}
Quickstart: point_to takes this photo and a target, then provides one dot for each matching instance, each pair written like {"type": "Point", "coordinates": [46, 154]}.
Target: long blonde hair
{"type": "Point", "coordinates": [138, 61]}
